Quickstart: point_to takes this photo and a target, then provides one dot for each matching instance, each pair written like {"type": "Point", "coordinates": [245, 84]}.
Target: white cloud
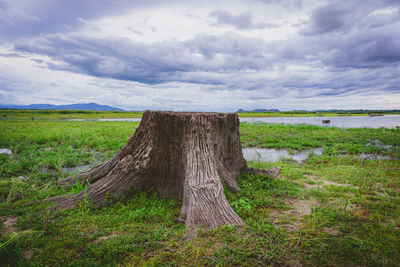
{"type": "Point", "coordinates": [222, 56]}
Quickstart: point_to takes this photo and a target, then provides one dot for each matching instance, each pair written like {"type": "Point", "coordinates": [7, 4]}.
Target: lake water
{"type": "Point", "coordinates": [387, 121]}
{"type": "Point", "coordinates": [123, 119]}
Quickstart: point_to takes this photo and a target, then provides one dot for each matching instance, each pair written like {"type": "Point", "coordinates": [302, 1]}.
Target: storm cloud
{"type": "Point", "coordinates": [250, 53]}
{"type": "Point", "coordinates": [243, 21]}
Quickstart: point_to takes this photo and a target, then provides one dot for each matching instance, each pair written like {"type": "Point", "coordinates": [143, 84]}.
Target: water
{"type": "Point", "coordinates": [378, 143]}
{"type": "Point", "coordinates": [373, 156]}
{"type": "Point", "coordinates": [387, 121]}
{"type": "Point", "coordinates": [76, 169]}
{"type": "Point", "coordinates": [5, 151]}
{"type": "Point", "coordinates": [274, 155]}
{"type": "Point", "coordinates": [123, 119]}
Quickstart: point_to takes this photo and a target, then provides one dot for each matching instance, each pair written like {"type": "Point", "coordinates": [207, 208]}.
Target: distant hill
{"type": "Point", "coordinates": [258, 110]}
{"type": "Point", "coordinates": [358, 111]}
{"type": "Point", "coordinates": [79, 106]}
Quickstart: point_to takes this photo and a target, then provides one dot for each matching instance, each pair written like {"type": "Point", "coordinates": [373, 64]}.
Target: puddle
{"type": "Point", "coordinates": [81, 168]}
{"type": "Point", "coordinates": [367, 156]}
{"type": "Point", "coordinates": [274, 155]}
{"type": "Point", "coordinates": [373, 156]}
{"type": "Point", "coordinates": [77, 169]}
{"type": "Point", "coordinates": [378, 143]}
{"type": "Point", "coordinates": [23, 178]}
{"type": "Point", "coordinates": [5, 151]}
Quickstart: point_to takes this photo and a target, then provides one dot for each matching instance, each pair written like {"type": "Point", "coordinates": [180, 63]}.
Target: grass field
{"type": "Point", "coordinates": [83, 114]}
{"type": "Point", "coordinates": [18, 114]}
{"type": "Point", "coordinates": [334, 209]}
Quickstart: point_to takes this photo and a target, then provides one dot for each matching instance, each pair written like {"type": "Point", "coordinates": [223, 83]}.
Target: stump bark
{"type": "Point", "coordinates": [178, 154]}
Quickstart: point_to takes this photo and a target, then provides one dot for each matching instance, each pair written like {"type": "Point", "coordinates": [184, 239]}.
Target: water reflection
{"type": "Point", "coordinates": [378, 143]}
{"type": "Point", "coordinates": [5, 151]}
{"type": "Point", "coordinates": [81, 168]}
{"type": "Point", "coordinates": [76, 169]}
{"type": "Point", "coordinates": [274, 155]}
{"type": "Point", "coordinates": [373, 156]}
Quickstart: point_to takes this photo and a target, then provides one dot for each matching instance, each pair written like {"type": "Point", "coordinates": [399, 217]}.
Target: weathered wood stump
{"type": "Point", "coordinates": [180, 154]}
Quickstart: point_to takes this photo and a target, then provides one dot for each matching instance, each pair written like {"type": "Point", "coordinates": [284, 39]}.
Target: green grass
{"type": "Point", "coordinates": [19, 114]}
{"type": "Point", "coordinates": [354, 215]}
{"type": "Point", "coordinates": [297, 114]}
{"type": "Point", "coordinates": [313, 113]}
{"type": "Point", "coordinates": [31, 114]}
{"type": "Point", "coordinates": [335, 140]}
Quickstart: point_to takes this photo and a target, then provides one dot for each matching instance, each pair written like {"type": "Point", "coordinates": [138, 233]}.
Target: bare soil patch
{"type": "Point", "coordinates": [102, 238]}
{"type": "Point", "coordinates": [9, 226]}
{"type": "Point", "coordinates": [27, 254]}
{"type": "Point", "coordinates": [325, 183]}
{"type": "Point", "coordinates": [331, 231]}
{"type": "Point", "coordinates": [300, 208]}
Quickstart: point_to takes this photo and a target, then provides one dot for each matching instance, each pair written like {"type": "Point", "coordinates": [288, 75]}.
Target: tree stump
{"type": "Point", "coordinates": [180, 154]}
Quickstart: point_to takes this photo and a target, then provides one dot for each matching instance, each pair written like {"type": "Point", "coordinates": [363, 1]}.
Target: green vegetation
{"type": "Point", "coordinates": [335, 140]}
{"type": "Point", "coordinates": [315, 113]}
{"type": "Point", "coordinates": [30, 114]}
{"type": "Point", "coordinates": [334, 209]}
{"type": "Point", "coordinates": [26, 114]}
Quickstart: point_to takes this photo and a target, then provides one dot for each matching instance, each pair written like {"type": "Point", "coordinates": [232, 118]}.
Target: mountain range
{"type": "Point", "coordinates": [258, 110]}
{"type": "Point", "coordinates": [79, 106]}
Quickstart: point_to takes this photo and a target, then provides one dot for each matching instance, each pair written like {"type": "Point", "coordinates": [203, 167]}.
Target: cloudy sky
{"type": "Point", "coordinates": [201, 55]}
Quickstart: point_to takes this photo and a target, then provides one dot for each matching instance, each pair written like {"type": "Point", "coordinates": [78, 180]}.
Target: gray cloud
{"type": "Point", "coordinates": [243, 21]}
{"type": "Point", "coordinates": [11, 55]}
{"type": "Point", "coordinates": [327, 18]}
{"type": "Point", "coordinates": [286, 3]}
{"type": "Point", "coordinates": [342, 16]}
{"type": "Point", "coordinates": [224, 61]}
{"type": "Point", "coordinates": [351, 34]}
{"type": "Point", "coordinates": [25, 18]}
{"type": "Point", "coordinates": [347, 49]}
{"type": "Point", "coordinates": [3, 6]}
{"type": "Point", "coordinates": [192, 61]}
